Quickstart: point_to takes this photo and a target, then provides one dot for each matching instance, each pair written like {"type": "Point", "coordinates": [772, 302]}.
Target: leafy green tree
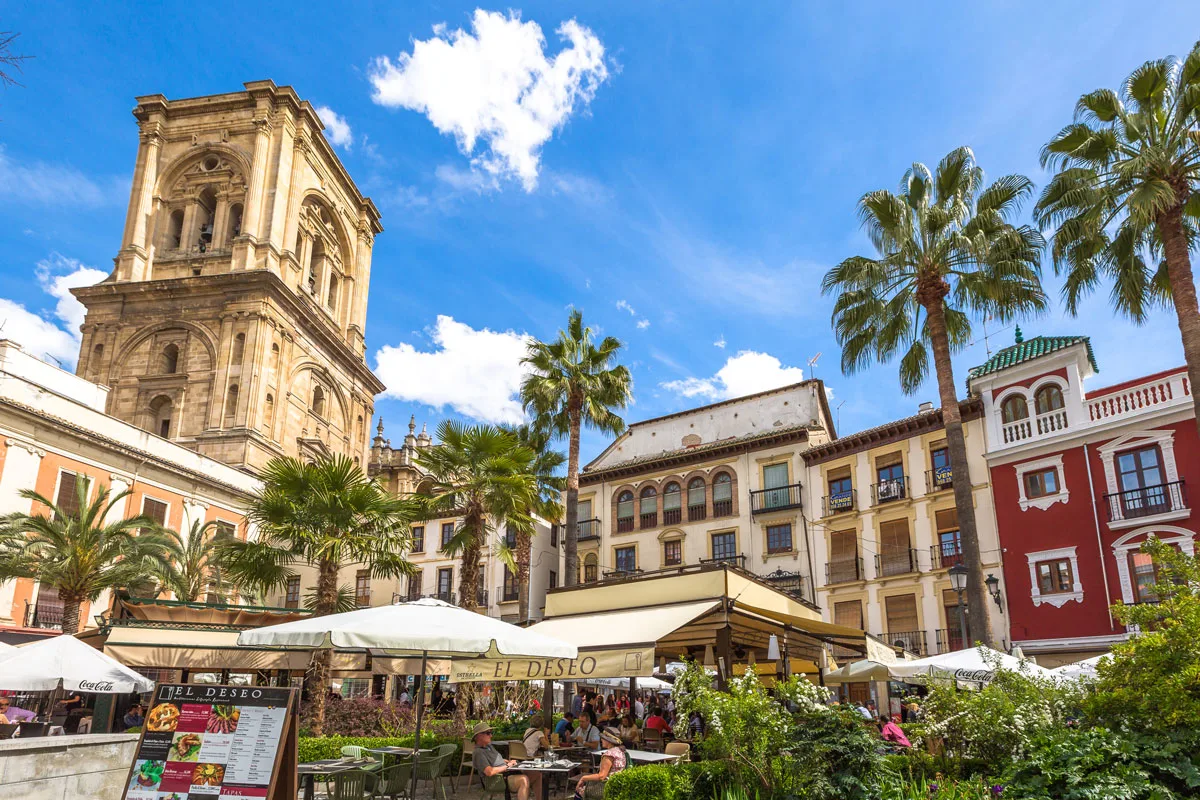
{"type": "Point", "coordinates": [485, 477]}
{"type": "Point", "coordinates": [192, 568]}
{"type": "Point", "coordinates": [573, 383]}
{"type": "Point", "coordinates": [947, 249]}
{"type": "Point", "coordinates": [1152, 680]}
{"type": "Point", "coordinates": [1124, 201]}
{"type": "Point", "coordinates": [545, 468]}
{"type": "Point", "coordinates": [79, 551]}
{"type": "Point", "coordinates": [328, 515]}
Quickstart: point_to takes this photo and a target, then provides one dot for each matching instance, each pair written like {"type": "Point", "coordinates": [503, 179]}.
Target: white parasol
{"type": "Point", "coordinates": [67, 663]}
{"type": "Point", "coordinates": [976, 664]}
{"type": "Point", "coordinates": [863, 671]}
{"type": "Point", "coordinates": [1081, 670]}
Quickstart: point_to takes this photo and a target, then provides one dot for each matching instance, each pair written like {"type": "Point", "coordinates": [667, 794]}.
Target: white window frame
{"type": "Point", "coordinates": [1122, 547]}
{"type": "Point", "coordinates": [77, 474]}
{"type": "Point", "coordinates": [1165, 439]}
{"type": "Point", "coordinates": [1044, 502]}
{"type": "Point", "coordinates": [1058, 599]}
{"type": "Point", "coordinates": [167, 513]}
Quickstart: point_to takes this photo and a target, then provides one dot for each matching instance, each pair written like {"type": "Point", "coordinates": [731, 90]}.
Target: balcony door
{"type": "Point", "coordinates": [775, 480]}
{"type": "Point", "coordinates": [954, 638]}
{"type": "Point", "coordinates": [445, 584]}
{"type": "Point", "coordinates": [903, 629]}
{"type": "Point", "coordinates": [1140, 475]}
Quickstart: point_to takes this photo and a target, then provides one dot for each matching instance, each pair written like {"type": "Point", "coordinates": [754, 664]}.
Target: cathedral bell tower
{"type": "Point", "coordinates": [233, 320]}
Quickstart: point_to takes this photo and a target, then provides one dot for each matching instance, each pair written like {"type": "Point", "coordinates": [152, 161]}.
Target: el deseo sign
{"type": "Point", "coordinates": [598, 664]}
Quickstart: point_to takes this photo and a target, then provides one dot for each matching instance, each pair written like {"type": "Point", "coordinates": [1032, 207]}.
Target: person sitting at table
{"type": "Point", "coordinates": [565, 727]}
{"type": "Point", "coordinates": [587, 734]}
{"type": "Point", "coordinates": [657, 721]}
{"type": "Point", "coordinates": [71, 702]}
{"type": "Point", "coordinates": [631, 734]}
{"type": "Point", "coordinates": [10, 713]}
{"type": "Point", "coordinates": [135, 717]}
{"type": "Point", "coordinates": [892, 733]}
{"type": "Point", "coordinates": [487, 762]}
{"type": "Point", "coordinates": [535, 739]}
{"type": "Point", "coordinates": [695, 726]}
{"type": "Point", "coordinates": [612, 760]}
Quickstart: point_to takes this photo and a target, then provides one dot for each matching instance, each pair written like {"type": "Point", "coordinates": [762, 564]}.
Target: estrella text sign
{"type": "Point", "coordinates": [626, 663]}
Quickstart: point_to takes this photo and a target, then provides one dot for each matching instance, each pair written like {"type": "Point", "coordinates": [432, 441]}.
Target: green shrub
{"type": "Point", "coordinates": [833, 756]}
{"type": "Point", "coordinates": [316, 748]}
{"type": "Point", "coordinates": [650, 782]}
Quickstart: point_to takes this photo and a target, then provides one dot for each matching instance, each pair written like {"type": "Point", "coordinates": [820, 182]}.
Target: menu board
{"type": "Point", "coordinates": [202, 742]}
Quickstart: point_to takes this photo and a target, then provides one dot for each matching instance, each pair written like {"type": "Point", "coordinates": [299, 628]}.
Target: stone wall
{"type": "Point", "coordinates": [94, 766]}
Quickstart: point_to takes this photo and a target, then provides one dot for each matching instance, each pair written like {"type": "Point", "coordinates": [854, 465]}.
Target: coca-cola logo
{"type": "Point", "coordinates": [96, 686]}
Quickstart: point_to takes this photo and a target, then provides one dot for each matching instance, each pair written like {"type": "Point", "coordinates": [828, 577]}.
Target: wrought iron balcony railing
{"type": "Point", "coordinates": [949, 640]}
{"type": "Point", "coordinates": [945, 555]}
{"type": "Point", "coordinates": [912, 641]}
{"type": "Point", "coordinates": [844, 570]}
{"type": "Point", "coordinates": [838, 503]}
{"type": "Point", "coordinates": [896, 562]}
{"type": "Point", "coordinates": [43, 615]}
{"type": "Point", "coordinates": [1147, 501]}
{"type": "Point", "coordinates": [890, 490]}
{"type": "Point", "coordinates": [938, 479]}
{"type": "Point", "coordinates": [778, 499]}
{"type": "Point", "coordinates": [587, 529]}
{"type": "Point", "coordinates": [738, 561]}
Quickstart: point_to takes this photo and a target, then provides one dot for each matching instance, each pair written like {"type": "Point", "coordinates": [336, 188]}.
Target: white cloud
{"type": "Point", "coordinates": [746, 373]}
{"type": "Point", "coordinates": [495, 84]}
{"type": "Point", "coordinates": [475, 372]}
{"type": "Point", "coordinates": [37, 333]}
{"type": "Point", "coordinates": [643, 324]}
{"type": "Point", "coordinates": [720, 342]}
{"type": "Point", "coordinates": [336, 128]}
{"type": "Point", "coordinates": [465, 180]}
{"type": "Point", "coordinates": [54, 184]}
{"type": "Point", "coordinates": [624, 306]}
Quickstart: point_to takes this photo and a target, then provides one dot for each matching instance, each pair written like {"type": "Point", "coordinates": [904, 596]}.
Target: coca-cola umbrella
{"type": "Point", "coordinates": [67, 663]}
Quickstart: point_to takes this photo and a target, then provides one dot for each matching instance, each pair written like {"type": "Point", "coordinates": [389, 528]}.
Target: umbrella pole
{"type": "Point", "coordinates": [420, 711]}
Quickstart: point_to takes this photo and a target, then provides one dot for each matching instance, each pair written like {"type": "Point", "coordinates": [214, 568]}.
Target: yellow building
{"type": "Point", "coordinates": [885, 529]}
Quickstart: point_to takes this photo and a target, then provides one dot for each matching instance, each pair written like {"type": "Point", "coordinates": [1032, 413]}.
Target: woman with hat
{"type": "Point", "coordinates": [487, 761]}
{"type": "Point", "coordinates": [611, 760]}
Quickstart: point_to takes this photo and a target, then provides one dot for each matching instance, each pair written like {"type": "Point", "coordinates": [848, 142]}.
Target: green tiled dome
{"type": "Point", "coordinates": [1021, 352]}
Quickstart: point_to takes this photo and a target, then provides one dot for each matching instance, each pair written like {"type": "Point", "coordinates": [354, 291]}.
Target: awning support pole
{"type": "Point", "coordinates": [420, 712]}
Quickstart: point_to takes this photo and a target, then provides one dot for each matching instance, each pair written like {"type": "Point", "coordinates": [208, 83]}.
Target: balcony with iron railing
{"type": "Point", "coordinates": [43, 615]}
{"type": "Point", "coordinates": [896, 562]}
{"type": "Point", "coordinates": [624, 524]}
{"type": "Point", "coordinates": [672, 516]}
{"type": "Point", "coordinates": [738, 561]}
{"type": "Point", "coordinates": [838, 503]}
{"type": "Point", "coordinates": [844, 570]}
{"type": "Point", "coordinates": [912, 641]}
{"type": "Point", "coordinates": [889, 491]}
{"type": "Point", "coordinates": [696, 512]}
{"type": "Point", "coordinates": [938, 479]}
{"type": "Point", "coordinates": [1136, 505]}
{"type": "Point", "coordinates": [587, 529]}
{"type": "Point", "coordinates": [777, 499]}
{"type": "Point", "coordinates": [722, 507]}
{"type": "Point", "coordinates": [789, 582]}
{"type": "Point", "coordinates": [445, 597]}
{"type": "Point", "coordinates": [949, 640]}
{"type": "Point", "coordinates": [648, 520]}
{"type": "Point", "coordinates": [945, 555]}
{"type": "Point", "coordinates": [508, 593]}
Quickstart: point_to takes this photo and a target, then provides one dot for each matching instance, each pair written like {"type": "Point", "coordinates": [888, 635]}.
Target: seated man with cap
{"type": "Point", "coordinates": [488, 762]}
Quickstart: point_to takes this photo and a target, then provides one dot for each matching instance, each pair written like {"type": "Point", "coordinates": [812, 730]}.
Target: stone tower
{"type": "Point", "coordinates": [233, 321]}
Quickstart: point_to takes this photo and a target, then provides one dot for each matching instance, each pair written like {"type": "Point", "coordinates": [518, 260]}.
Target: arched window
{"type": "Point", "coordinates": [160, 413]}
{"type": "Point", "coordinates": [231, 402]}
{"type": "Point", "coordinates": [170, 359]}
{"type": "Point", "coordinates": [175, 230]}
{"type": "Point", "coordinates": [206, 213]}
{"type": "Point", "coordinates": [94, 363]}
{"type": "Point", "coordinates": [316, 262]}
{"type": "Point", "coordinates": [331, 298]}
{"type": "Point", "coordinates": [590, 571]}
{"type": "Point", "coordinates": [1048, 398]}
{"type": "Point", "coordinates": [274, 358]}
{"type": "Point", "coordinates": [239, 348]}
{"type": "Point", "coordinates": [648, 507]}
{"type": "Point", "coordinates": [625, 511]}
{"type": "Point", "coordinates": [1014, 408]}
{"type": "Point", "coordinates": [358, 430]}
{"type": "Point", "coordinates": [318, 401]}
{"type": "Point", "coordinates": [696, 500]}
{"type": "Point", "coordinates": [722, 495]}
{"type": "Point", "coordinates": [235, 223]}
{"type": "Point", "coordinates": [269, 415]}
{"type": "Point", "coordinates": [672, 504]}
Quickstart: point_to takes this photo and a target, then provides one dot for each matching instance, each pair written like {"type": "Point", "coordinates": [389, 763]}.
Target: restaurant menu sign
{"type": "Point", "coordinates": [203, 742]}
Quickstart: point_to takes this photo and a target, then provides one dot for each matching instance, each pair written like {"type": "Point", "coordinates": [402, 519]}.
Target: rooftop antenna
{"type": "Point", "coordinates": [812, 365]}
{"type": "Point", "coordinates": [838, 414]}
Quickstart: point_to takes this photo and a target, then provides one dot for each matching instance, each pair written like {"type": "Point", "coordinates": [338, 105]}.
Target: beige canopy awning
{"type": "Point", "coordinates": [609, 629]}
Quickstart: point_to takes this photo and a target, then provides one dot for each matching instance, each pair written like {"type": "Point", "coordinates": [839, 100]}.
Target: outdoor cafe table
{"type": "Point", "coordinates": [309, 771]}
{"type": "Point", "coordinates": [546, 769]}
{"type": "Point", "coordinates": [640, 756]}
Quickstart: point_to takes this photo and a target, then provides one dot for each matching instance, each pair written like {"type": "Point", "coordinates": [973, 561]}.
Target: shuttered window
{"type": "Point", "coordinates": [901, 613]}
{"type": "Point", "coordinates": [68, 491]}
{"type": "Point", "coordinates": [155, 510]}
{"type": "Point", "coordinates": [848, 613]}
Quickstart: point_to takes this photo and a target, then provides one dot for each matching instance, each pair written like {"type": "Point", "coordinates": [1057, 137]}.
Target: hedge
{"type": "Point", "coordinates": [316, 748]}
{"type": "Point", "coordinates": [682, 781]}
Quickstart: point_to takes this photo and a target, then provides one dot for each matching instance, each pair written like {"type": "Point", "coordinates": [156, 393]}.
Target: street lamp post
{"type": "Point", "coordinates": [958, 582]}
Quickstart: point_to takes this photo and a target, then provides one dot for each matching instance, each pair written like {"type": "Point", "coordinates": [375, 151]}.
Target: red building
{"type": "Point", "coordinates": [1080, 478]}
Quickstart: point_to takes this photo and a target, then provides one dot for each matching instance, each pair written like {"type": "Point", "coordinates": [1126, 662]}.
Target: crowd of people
{"type": "Point", "coordinates": [891, 733]}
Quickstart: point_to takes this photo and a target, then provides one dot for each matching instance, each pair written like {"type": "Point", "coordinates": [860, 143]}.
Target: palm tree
{"type": "Point", "coordinates": [1124, 201]}
{"type": "Point", "coordinates": [572, 383]}
{"type": "Point", "coordinates": [550, 485]}
{"type": "Point", "coordinates": [326, 514]}
{"type": "Point", "coordinates": [193, 567]}
{"type": "Point", "coordinates": [947, 250]}
{"type": "Point", "coordinates": [484, 476]}
{"type": "Point", "coordinates": [76, 551]}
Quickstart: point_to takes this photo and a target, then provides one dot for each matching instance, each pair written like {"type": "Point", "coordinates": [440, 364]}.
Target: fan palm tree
{"type": "Point", "coordinates": [485, 477]}
{"type": "Point", "coordinates": [572, 383]}
{"type": "Point", "coordinates": [193, 567]}
{"type": "Point", "coordinates": [328, 515]}
{"type": "Point", "coordinates": [77, 551]}
{"type": "Point", "coordinates": [1124, 201]}
{"type": "Point", "coordinates": [545, 467]}
{"type": "Point", "coordinates": [946, 250]}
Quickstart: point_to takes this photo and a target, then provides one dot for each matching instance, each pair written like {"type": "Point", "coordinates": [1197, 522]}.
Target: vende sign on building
{"type": "Point", "coordinates": [624, 663]}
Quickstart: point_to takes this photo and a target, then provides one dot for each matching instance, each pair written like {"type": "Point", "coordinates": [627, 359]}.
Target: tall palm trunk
{"type": "Point", "coordinates": [1183, 290]}
{"type": "Point", "coordinates": [523, 556]}
{"type": "Point", "coordinates": [327, 574]}
{"type": "Point", "coordinates": [571, 543]}
{"type": "Point", "coordinates": [932, 299]}
{"type": "Point", "coordinates": [72, 607]}
{"type": "Point", "coordinates": [468, 582]}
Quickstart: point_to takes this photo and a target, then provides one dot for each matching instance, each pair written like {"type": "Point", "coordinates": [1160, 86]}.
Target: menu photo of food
{"type": "Point", "coordinates": [171, 796]}
{"type": "Point", "coordinates": [222, 719]}
{"type": "Point", "coordinates": [147, 775]}
{"type": "Point", "coordinates": [186, 747]}
{"type": "Point", "coordinates": [208, 776]}
{"type": "Point", "coordinates": [162, 717]}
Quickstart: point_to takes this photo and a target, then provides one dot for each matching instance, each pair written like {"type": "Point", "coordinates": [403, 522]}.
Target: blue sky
{"type": "Point", "coordinates": [699, 178]}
